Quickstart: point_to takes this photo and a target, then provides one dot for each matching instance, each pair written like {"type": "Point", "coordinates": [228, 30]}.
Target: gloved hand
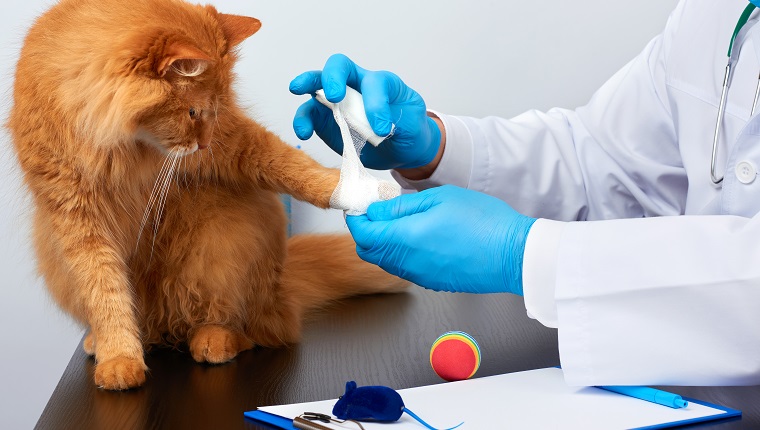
{"type": "Point", "coordinates": [447, 239]}
{"type": "Point", "coordinates": [393, 109]}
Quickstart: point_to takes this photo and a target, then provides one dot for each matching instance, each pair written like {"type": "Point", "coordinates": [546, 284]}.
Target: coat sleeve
{"type": "Point", "coordinates": [616, 157]}
{"type": "Point", "coordinates": [668, 300]}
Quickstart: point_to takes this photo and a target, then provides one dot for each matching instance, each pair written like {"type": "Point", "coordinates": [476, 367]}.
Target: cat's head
{"type": "Point", "coordinates": [196, 74]}
{"type": "Point", "coordinates": [168, 77]}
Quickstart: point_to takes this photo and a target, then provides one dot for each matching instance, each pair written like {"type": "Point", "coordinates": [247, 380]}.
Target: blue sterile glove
{"type": "Point", "coordinates": [392, 108]}
{"type": "Point", "coordinates": [447, 239]}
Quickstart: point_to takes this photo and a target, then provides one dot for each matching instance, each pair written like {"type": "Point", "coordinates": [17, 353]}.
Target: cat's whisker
{"type": "Point", "coordinates": [166, 186]}
{"type": "Point", "coordinates": [221, 143]}
{"type": "Point", "coordinates": [179, 171]}
{"type": "Point", "coordinates": [161, 173]}
{"type": "Point", "coordinates": [216, 116]}
{"type": "Point", "coordinates": [215, 167]}
{"type": "Point", "coordinates": [182, 169]}
{"type": "Point", "coordinates": [186, 168]}
{"type": "Point", "coordinates": [162, 179]}
{"type": "Point", "coordinates": [166, 183]}
{"type": "Point", "coordinates": [216, 125]}
{"type": "Point", "coordinates": [199, 173]}
{"type": "Point", "coordinates": [151, 200]}
{"type": "Point", "coordinates": [199, 165]}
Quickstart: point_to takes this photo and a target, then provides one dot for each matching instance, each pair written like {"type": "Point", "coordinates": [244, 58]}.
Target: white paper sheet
{"type": "Point", "coordinates": [537, 399]}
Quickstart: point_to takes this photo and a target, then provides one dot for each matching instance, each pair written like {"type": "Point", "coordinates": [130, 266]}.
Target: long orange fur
{"type": "Point", "coordinates": [157, 218]}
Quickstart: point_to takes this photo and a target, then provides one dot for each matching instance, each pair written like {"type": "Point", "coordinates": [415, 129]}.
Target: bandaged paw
{"type": "Point", "coordinates": [357, 188]}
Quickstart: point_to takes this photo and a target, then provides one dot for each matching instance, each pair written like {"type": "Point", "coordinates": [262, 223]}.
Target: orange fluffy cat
{"type": "Point", "coordinates": [157, 218]}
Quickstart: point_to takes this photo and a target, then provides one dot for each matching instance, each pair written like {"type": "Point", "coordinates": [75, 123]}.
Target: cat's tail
{"type": "Point", "coordinates": [321, 269]}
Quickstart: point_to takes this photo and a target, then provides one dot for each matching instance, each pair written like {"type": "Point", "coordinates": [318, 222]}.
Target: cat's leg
{"type": "Point", "coordinates": [291, 171]}
{"type": "Point", "coordinates": [118, 350]}
{"type": "Point", "coordinates": [86, 273]}
{"type": "Point", "coordinates": [260, 156]}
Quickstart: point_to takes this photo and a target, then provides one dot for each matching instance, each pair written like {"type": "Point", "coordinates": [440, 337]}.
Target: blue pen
{"type": "Point", "coordinates": [649, 394]}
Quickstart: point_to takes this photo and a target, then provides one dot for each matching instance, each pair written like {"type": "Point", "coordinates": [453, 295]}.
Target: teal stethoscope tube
{"type": "Point", "coordinates": [724, 91]}
{"type": "Point", "coordinates": [742, 20]}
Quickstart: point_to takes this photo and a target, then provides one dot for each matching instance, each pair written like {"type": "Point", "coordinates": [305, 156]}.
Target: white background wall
{"type": "Point", "coordinates": [470, 58]}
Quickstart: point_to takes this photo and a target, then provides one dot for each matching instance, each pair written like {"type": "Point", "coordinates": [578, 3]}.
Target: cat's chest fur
{"type": "Point", "coordinates": [129, 191]}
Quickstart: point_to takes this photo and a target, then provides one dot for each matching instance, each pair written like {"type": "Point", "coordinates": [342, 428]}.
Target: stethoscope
{"type": "Point", "coordinates": [726, 83]}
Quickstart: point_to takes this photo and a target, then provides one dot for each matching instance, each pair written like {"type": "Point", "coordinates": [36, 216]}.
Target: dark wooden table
{"type": "Point", "coordinates": [375, 340]}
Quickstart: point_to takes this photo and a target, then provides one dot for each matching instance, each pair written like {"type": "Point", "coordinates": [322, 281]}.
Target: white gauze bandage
{"type": "Point", "coordinates": [357, 188]}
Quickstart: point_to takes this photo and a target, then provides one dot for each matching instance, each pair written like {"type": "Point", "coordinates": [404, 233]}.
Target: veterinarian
{"type": "Point", "coordinates": [610, 219]}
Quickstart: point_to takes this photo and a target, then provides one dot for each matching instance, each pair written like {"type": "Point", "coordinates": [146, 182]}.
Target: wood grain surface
{"type": "Point", "coordinates": [375, 340]}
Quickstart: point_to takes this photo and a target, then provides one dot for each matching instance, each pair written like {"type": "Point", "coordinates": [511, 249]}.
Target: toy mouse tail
{"type": "Point", "coordinates": [421, 421]}
{"type": "Point", "coordinates": [321, 269]}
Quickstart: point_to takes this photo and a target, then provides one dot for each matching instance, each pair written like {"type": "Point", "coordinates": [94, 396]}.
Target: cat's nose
{"type": "Point", "coordinates": [204, 138]}
{"type": "Point", "coordinates": [204, 142]}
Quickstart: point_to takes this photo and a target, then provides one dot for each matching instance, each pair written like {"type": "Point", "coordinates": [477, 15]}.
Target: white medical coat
{"type": "Point", "coordinates": [660, 282]}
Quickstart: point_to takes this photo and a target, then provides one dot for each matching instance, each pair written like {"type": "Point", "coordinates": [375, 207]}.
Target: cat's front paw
{"type": "Point", "coordinates": [217, 344]}
{"type": "Point", "coordinates": [355, 194]}
{"type": "Point", "coordinates": [120, 373]}
{"type": "Point", "coordinates": [388, 190]}
{"type": "Point", "coordinates": [89, 344]}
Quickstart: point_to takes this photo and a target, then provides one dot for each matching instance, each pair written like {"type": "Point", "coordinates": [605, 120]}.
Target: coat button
{"type": "Point", "coordinates": [745, 172]}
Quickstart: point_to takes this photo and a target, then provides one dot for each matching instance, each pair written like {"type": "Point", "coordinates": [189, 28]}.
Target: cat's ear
{"type": "Point", "coordinates": [237, 28]}
{"type": "Point", "coordinates": [183, 58]}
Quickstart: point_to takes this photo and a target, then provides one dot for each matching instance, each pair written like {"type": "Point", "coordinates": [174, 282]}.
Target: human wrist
{"type": "Point", "coordinates": [438, 137]}
{"type": "Point", "coordinates": [516, 238]}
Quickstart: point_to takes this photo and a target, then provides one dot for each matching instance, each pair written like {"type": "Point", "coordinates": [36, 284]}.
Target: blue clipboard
{"type": "Point", "coordinates": [545, 378]}
{"type": "Point", "coordinates": [279, 422]}
{"type": "Point", "coordinates": [730, 414]}
{"type": "Point", "coordinates": [275, 421]}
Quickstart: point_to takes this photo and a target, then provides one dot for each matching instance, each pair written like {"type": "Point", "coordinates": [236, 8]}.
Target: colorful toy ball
{"type": "Point", "coordinates": [455, 356]}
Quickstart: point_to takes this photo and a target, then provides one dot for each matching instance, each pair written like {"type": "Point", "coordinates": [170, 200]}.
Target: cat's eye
{"type": "Point", "coordinates": [194, 113]}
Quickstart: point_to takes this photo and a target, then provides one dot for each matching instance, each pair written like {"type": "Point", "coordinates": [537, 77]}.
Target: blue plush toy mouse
{"type": "Point", "coordinates": [373, 403]}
